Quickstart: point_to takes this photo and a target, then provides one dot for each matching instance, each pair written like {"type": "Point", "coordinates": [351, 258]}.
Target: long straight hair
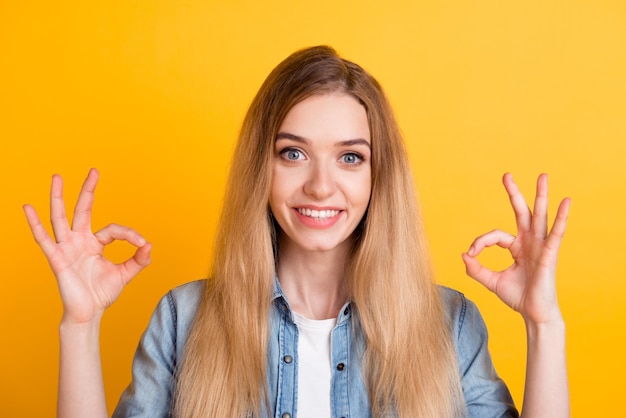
{"type": "Point", "coordinates": [409, 364]}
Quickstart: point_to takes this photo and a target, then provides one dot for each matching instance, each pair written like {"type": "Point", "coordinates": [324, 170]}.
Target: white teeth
{"type": "Point", "coordinates": [320, 214]}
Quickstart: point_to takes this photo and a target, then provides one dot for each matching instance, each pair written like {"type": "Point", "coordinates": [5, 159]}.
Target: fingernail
{"type": "Point", "coordinates": [471, 250]}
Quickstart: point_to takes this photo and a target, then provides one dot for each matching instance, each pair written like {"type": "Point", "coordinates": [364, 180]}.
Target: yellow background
{"type": "Point", "coordinates": [152, 93]}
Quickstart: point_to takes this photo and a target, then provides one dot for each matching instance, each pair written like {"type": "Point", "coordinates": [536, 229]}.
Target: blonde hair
{"type": "Point", "coordinates": [409, 363]}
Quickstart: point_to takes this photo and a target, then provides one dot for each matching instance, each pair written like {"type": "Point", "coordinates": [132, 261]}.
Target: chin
{"type": "Point", "coordinates": [320, 247]}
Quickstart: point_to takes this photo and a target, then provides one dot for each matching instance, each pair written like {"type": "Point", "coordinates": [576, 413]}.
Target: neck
{"type": "Point", "coordinates": [314, 282]}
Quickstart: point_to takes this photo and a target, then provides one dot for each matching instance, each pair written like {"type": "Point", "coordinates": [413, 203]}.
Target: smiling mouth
{"type": "Point", "coordinates": [318, 214]}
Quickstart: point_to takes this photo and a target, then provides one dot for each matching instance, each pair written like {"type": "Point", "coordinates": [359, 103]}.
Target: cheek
{"type": "Point", "coordinates": [274, 197]}
{"type": "Point", "coordinates": [282, 188]}
{"type": "Point", "coordinates": [363, 191]}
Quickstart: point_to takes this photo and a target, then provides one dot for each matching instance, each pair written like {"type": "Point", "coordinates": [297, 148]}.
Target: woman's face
{"type": "Point", "coordinates": [321, 181]}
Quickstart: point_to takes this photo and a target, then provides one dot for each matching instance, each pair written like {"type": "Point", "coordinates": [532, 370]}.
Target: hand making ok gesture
{"type": "Point", "coordinates": [528, 285]}
{"type": "Point", "coordinates": [88, 282]}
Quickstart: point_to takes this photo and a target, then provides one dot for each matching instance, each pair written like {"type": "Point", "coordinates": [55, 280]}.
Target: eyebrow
{"type": "Point", "coordinates": [302, 140]}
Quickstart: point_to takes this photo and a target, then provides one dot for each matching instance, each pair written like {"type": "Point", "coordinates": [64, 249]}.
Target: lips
{"type": "Point", "coordinates": [319, 214]}
{"type": "Point", "coordinates": [318, 218]}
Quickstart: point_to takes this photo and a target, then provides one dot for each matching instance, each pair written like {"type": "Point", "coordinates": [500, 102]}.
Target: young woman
{"type": "Point", "coordinates": [322, 300]}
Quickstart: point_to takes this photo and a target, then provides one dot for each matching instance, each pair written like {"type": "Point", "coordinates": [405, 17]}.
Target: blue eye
{"type": "Point", "coordinates": [292, 154]}
{"type": "Point", "coordinates": [351, 158]}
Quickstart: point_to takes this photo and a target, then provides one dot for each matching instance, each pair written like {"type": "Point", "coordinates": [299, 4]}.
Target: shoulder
{"type": "Point", "coordinates": [168, 329]}
{"type": "Point", "coordinates": [462, 314]}
{"type": "Point", "coordinates": [183, 301]}
{"type": "Point", "coordinates": [175, 312]}
{"type": "Point", "coordinates": [451, 298]}
{"type": "Point", "coordinates": [188, 294]}
{"type": "Point", "coordinates": [485, 393]}
{"type": "Point", "coordinates": [160, 351]}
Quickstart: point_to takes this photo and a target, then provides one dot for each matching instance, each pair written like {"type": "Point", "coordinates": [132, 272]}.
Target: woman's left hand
{"type": "Point", "coordinates": [528, 285]}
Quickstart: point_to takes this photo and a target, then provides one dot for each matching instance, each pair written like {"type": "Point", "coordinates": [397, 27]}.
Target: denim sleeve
{"type": "Point", "coordinates": [486, 395]}
{"type": "Point", "coordinates": [160, 349]}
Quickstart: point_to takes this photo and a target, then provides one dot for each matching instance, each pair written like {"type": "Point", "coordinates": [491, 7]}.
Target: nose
{"type": "Point", "coordinates": [321, 182]}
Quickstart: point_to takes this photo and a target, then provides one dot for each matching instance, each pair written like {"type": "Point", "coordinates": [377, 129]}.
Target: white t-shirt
{"type": "Point", "coordinates": [314, 370]}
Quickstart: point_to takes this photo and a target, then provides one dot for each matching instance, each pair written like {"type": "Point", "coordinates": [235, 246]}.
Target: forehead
{"type": "Point", "coordinates": [336, 115]}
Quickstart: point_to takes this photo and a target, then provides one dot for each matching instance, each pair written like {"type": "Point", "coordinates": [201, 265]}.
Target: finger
{"type": "Point", "coordinates": [84, 204]}
{"type": "Point", "coordinates": [58, 217]}
{"type": "Point", "coordinates": [496, 237]}
{"type": "Point", "coordinates": [539, 222]}
{"type": "Point", "coordinates": [522, 212]}
{"type": "Point", "coordinates": [136, 263]}
{"type": "Point", "coordinates": [480, 273]}
{"type": "Point", "coordinates": [558, 228]}
{"type": "Point", "coordinates": [114, 232]}
{"type": "Point", "coordinates": [40, 234]}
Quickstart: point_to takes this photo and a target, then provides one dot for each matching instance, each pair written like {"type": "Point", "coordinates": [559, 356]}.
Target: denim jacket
{"type": "Point", "coordinates": [162, 346]}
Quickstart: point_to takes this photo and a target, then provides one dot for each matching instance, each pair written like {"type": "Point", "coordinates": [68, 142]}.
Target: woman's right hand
{"type": "Point", "coordinates": [88, 282]}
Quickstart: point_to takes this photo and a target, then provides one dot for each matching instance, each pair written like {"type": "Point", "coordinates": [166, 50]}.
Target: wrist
{"type": "Point", "coordinates": [69, 326]}
{"type": "Point", "coordinates": [75, 317]}
{"type": "Point", "coordinates": [548, 331]}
